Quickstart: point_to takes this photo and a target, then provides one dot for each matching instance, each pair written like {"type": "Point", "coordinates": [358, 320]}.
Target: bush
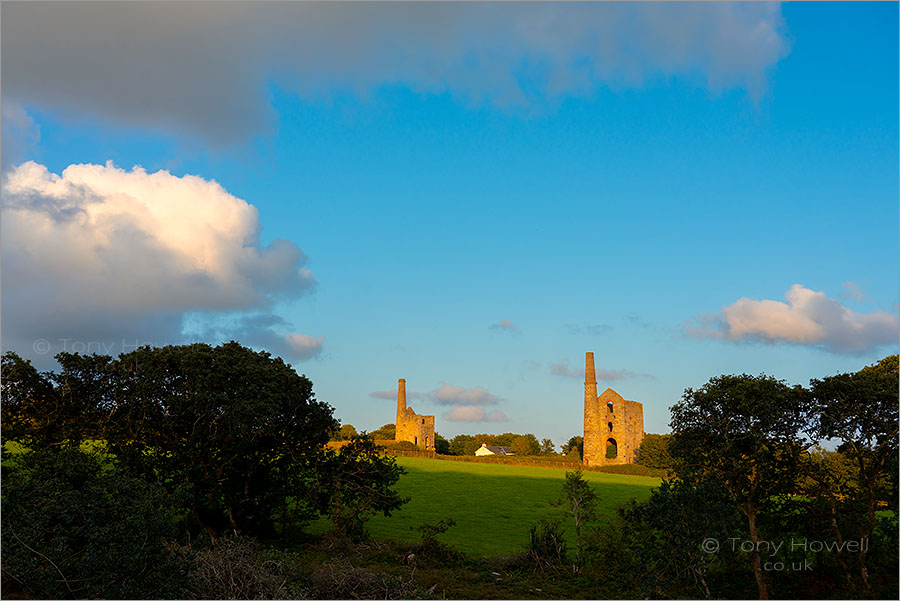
{"type": "Point", "coordinates": [654, 451]}
{"type": "Point", "coordinates": [74, 528]}
{"type": "Point", "coordinates": [547, 543]}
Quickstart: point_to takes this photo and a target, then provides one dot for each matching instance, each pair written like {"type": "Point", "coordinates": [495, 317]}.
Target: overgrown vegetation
{"type": "Point", "coordinates": [190, 472]}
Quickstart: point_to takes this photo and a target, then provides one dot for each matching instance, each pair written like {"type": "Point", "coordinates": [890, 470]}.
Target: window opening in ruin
{"type": "Point", "coordinates": [610, 426]}
{"type": "Point", "coordinates": [609, 406]}
{"type": "Point", "coordinates": [612, 449]}
{"type": "Point", "coordinates": [415, 440]}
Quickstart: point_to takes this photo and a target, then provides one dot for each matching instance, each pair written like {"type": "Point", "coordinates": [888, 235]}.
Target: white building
{"type": "Point", "coordinates": [486, 450]}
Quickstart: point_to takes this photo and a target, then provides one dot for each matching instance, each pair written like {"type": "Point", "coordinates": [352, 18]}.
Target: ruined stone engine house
{"type": "Point", "coordinates": [613, 427]}
{"type": "Point", "coordinates": [417, 429]}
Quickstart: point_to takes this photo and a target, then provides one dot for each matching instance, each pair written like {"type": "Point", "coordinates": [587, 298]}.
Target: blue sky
{"type": "Point", "coordinates": [466, 196]}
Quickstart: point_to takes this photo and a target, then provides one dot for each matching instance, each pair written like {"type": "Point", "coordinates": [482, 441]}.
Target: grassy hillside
{"type": "Point", "coordinates": [493, 505]}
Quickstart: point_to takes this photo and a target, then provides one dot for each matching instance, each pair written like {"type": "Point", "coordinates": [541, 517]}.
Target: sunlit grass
{"type": "Point", "coordinates": [494, 506]}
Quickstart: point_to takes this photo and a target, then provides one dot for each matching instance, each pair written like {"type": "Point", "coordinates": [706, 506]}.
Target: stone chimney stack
{"type": "Point", "coordinates": [401, 399]}
{"type": "Point", "coordinates": [592, 431]}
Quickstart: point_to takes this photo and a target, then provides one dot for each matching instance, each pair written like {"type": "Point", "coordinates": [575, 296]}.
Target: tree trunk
{"type": "Point", "coordinates": [757, 561]}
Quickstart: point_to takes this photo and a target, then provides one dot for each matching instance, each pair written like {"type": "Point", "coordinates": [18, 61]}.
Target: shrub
{"type": "Point", "coordinates": [74, 528]}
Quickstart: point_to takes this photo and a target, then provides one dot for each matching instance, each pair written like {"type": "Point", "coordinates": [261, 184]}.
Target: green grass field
{"type": "Point", "coordinates": [494, 506]}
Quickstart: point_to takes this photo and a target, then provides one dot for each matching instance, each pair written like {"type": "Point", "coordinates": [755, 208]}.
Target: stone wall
{"type": "Point", "coordinates": [417, 429]}
{"type": "Point", "coordinates": [609, 417]}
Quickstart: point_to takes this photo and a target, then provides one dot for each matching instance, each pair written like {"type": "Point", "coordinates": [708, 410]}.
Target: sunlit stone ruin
{"type": "Point", "coordinates": [613, 427]}
{"type": "Point", "coordinates": [417, 429]}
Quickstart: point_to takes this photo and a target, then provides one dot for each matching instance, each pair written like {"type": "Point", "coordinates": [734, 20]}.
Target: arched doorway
{"type": "Point", "coordinates": [612, 448]}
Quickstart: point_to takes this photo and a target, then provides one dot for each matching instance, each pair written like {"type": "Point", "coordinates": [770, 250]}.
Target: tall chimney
{"type": "Point", "coordinates": [401, 399]}
{"type": "Point", "coordinates": [592, 432]}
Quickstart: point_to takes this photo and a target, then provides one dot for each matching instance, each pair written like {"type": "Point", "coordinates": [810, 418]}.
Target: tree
{"type": "Point", "coordinates": [547, 447]}
{"type": "Point", "coordinates": [574, 447]}
{"type": "Point", "coordinates": [665, 534]}
{"type": "Point", "coordinates": [355, 484]}
{"type": "Point", "coordinates": [441, 445]}
{"type": "Point", "coordinates": [239, 428]}
{"type": "Point", "coordinates": [525, 444]}
{"type": "Point", "coordinates": [463, 444]}
{"type": "Point", "coordinates": [385, 432]}
{"type": "Point", "coordinates": [347, 432]}
{"type": "Point", "coordinates": [580, 503]}
{"type": "Point", "coordinates": [860, 409]}
{"type": "Point", "coordinates": [48, 410]}
{"type": "Point", "coordinates": [654, 451]}
{"type": "Point", "coordinates": [743, 433]}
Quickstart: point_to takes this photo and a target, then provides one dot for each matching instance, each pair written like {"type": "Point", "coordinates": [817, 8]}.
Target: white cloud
{"type": "Point", "coordinates": [472, 413]}
{"type": "Point", "coordinates": [448, 394]}
{"type": "Point", "coordinates": [98, 252]}
{"type": "Point", "coordinates": [808, 318]}
{"type": "Point", "coordinates": [203, 68]}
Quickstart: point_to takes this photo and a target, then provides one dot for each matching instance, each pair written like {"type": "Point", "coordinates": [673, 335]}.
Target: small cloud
{"type": "Point", "coordinates": [809, 318]}
{"type": "Point", "coordinates": [506, 325]}
{"type": "Point", "coordinates": [852, 291]}
{"type": "Point", "coordinates": [562, 369]}
{"type": "Point", "coordinates": [303, 346]}
{"type": "Point", "coordinates": [598, 329]}
{"type": "Point", "coordinates": [471, 413]}
{"type": "Point", "coordinates": [448, 394]}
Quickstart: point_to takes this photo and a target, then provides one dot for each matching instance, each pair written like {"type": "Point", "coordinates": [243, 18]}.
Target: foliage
{"type": "Point", "coordinates": [547, 544]}
{"type": "Point", "coordinates": [612, 450]}
{"type": "Point", "coordinates": [860, 409]}
{"type": "Point", "coordinates": [76, 529]}
{"type": "Point", "coordinates": [241, 429]}
{"type": "Point", "coordinates": [237, 429]}
{"type": "Point", "coordinates": [580, 503]}
{"type": "Point", "coordinates": [355, 484]}
{"type": "Point", "coordinates": [574, 446]}
{"type": "Point", "coordinates": [50, 410]}
{"type": "Point", "coordinates": [441, 444]}
{"type": "Point", "coordinates": [654, 451]}
{"type": "Point", "coordinates": [385, 432]}
{"type": "Point", "coordinates": [547, 447]}
{"type": "Point", "coordinates": [665, 536]}
{"type": "Point", "coordinates": [345, 432]}
{"type": "Point", "coordinates": [741, 432]}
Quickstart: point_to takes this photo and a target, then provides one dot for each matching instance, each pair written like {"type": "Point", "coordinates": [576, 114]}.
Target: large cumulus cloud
{"type": "Point", "coordinates": [98, 253]}
{"type": "Point", "coordinates": [808, 318]}
{"type": "Point", "coordinates": [202, 68]}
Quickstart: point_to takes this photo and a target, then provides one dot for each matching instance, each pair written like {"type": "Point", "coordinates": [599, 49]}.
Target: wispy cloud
{"type": "Point", "coordinates": [448, 394]}
{"type": "Point", "coordinates": [563, 369]}
{"type": "Point", "coordinates": [808, 318]}
{"type": "Point", "coordinates": [598, 329]}
{"type": "Point", "coordinates": [505, 325]}
{"type": "Point", "coordinates": [853, 291]}
{"type": "Point", "coordinates": [472, 413]}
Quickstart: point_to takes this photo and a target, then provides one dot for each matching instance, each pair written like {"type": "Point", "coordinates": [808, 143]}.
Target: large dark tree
{"type": "Point", "coordinates": [742, 432]}
{"type": "Point", "coordinates": [239, 428]}
{"type": "Point", "coordinates": [860, 410]}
